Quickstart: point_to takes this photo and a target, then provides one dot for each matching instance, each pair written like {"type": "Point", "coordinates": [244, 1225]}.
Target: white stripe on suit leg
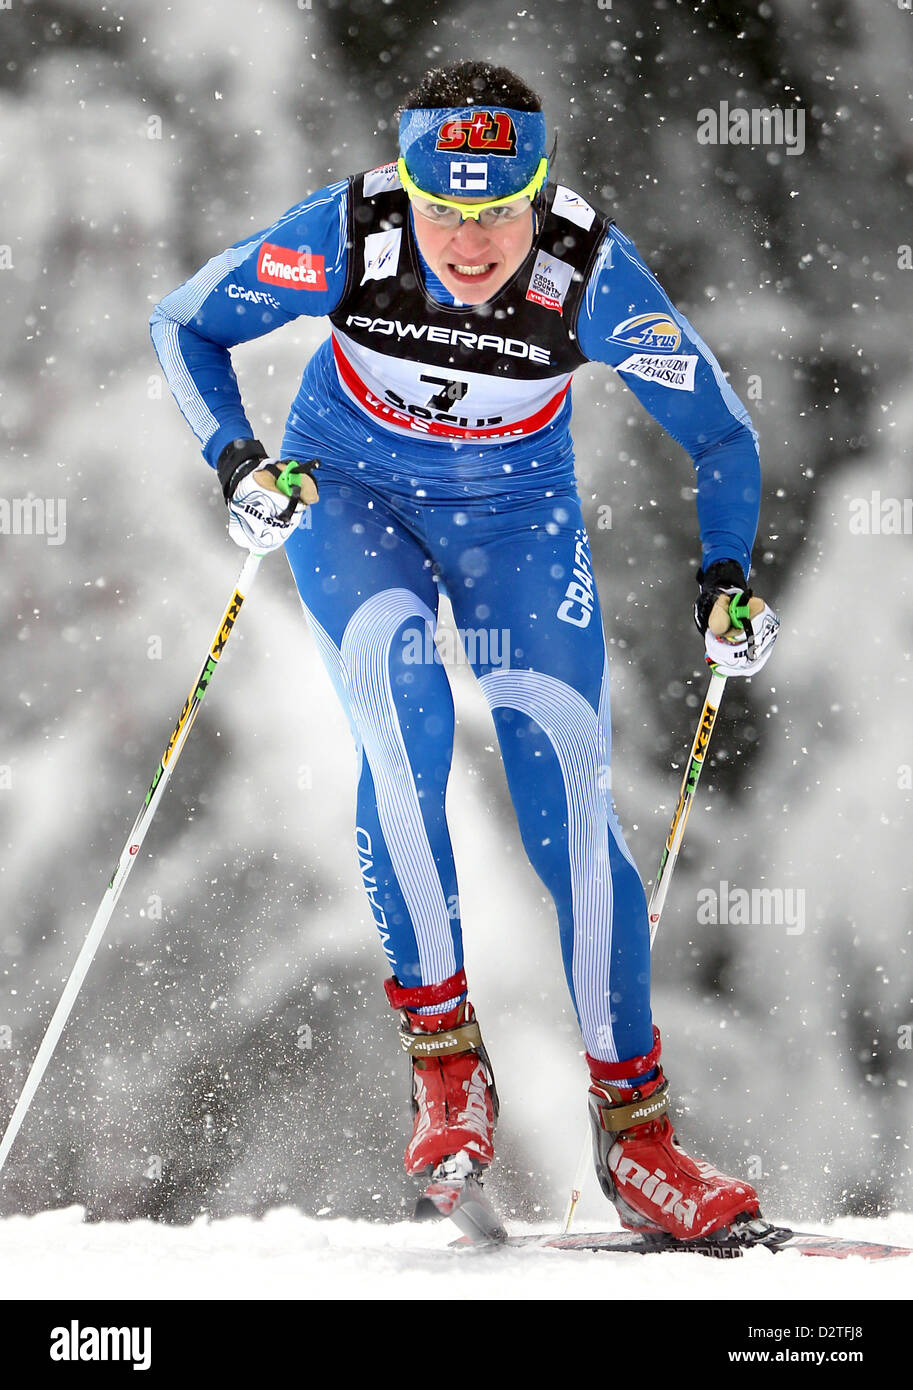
{"type": "Point", "coordinates": [332, 660]}
{"type": "Point", "coordinates": [572, 727]}
{"type": "Point", "coordinates": [365, 652]}
{"type": "Point", "coordinates": [605, 760]}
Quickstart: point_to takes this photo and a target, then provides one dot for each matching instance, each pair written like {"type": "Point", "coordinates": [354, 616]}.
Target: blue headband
{"type": "Point", "coordinates": [472, 151]}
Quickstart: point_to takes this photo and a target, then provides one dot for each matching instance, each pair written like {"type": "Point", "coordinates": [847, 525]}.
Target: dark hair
{"type": "Point", "coordinates": [472, 84]}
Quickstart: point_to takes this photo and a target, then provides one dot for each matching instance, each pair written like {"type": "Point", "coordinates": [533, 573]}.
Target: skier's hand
{"type": "Point", "coordinates": [267, 498]}
{"type": "Point", "coordinates": [261, 514]}
{"type": "Point", "coordinates": [739, 629]}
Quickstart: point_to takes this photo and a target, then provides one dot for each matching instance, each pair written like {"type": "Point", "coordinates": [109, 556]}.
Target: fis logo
{"type": "Point", "coordinates": [549, 282]}
{"type": "Point", "coordinates": [491, 132]}
{"type": "Point", "coordinates": [383, 179]}
{"type": "Point", "coordinates": [569, 204]}
{"type": "Point", "coordinates": [382, 254]}
{"type": "Point", "coordinates": [655, 332]}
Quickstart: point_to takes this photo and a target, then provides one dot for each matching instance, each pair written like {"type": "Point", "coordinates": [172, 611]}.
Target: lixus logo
{"type": "Point", "coordinates": [77, 1343]}
{"type": "Point", "coordinates": [655, 332]}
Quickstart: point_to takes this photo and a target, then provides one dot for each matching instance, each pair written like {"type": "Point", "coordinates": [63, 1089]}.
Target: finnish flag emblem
{"type": "Point", "coordinates": [468, 178]}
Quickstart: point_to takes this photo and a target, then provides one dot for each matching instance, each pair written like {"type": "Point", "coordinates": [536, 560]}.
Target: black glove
{"type": "Point", "coordinates": [722, 577]}
{"type": "Point", "coordinates": [237, 459]}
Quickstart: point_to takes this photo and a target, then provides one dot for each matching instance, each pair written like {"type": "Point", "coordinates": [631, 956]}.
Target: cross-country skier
{"type": "Point", "coordinates": [463, 291]}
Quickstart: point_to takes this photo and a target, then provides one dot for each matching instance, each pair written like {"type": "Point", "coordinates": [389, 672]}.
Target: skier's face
{"type": "Point", "coordinates": [474, 263]}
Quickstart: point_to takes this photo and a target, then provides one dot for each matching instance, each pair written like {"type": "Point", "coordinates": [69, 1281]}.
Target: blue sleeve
{"type": "Point", "coordinates": [297, 266]}
{"type": "Point", "coordinates": [628, 321]}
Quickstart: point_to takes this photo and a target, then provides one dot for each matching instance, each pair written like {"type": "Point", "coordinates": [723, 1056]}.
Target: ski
{"type": "Point", "coordinates": [631, 1242]}
{"type": "Point", "coordinates": [454, 1191]}
{"type": "Point", "coordinates": [457, 1193]}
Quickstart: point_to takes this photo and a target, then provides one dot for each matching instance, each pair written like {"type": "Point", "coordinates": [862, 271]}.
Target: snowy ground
{"type": "Point", "coordinates": [289, 1256]}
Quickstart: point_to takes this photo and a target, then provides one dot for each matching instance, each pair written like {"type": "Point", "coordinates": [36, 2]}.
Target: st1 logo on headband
{"type": "Point", "coordinates": [491, 131]}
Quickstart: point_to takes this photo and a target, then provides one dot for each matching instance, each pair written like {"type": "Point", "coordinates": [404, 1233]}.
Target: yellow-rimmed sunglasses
{"type": "Point", "coordinates": [444, 212]}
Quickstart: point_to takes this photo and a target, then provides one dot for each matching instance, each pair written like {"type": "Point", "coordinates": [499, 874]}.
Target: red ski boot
{"type": "Point", "coordinates": [454, 1100]}
{"type": "Point", "coordinates": [643, 1168]}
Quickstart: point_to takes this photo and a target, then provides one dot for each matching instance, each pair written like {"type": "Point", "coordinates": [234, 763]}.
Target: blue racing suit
{"type": "Point", "coordinates": [470, 491]}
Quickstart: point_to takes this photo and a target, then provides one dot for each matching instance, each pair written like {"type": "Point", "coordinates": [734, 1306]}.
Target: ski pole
{"type": "Point", "coordinates": [130, 851]}
{"type": "Point", "coordinates": [738, 611]}
{"type": "Point", "coordinates": [685, 801]}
